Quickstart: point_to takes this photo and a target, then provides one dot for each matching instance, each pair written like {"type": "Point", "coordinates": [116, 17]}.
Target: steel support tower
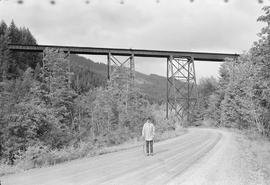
{"type": "Point", "coordinates": [181, 87]}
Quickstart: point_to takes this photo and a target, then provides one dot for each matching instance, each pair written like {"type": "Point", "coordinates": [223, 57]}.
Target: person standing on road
{"type": "Point", "coordinates": [148, 133]}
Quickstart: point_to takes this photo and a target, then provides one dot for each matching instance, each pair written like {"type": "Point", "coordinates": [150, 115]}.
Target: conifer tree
{"type": "Point", "coordinates": [58, 92]}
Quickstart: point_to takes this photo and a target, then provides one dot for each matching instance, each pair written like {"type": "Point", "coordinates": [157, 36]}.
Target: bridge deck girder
{"type": "Point", "coordinates": [198, 56]}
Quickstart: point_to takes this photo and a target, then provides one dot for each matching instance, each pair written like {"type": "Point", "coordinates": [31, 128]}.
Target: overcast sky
{"type": "Point", "coordinates": [204, 25]}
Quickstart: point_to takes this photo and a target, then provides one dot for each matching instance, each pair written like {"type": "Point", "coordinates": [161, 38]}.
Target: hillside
{"type": "Point", "coordinates": [91, 74]}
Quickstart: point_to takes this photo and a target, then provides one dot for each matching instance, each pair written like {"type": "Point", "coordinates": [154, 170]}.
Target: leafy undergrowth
{"type": "Point", "coordinates": [257, 151]}
{"type": "Point", "coordinates": [40, 156]}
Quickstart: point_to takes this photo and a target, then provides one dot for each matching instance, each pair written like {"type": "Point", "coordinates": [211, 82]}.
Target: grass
{"type": "Point", "coordinates": [257, 150]}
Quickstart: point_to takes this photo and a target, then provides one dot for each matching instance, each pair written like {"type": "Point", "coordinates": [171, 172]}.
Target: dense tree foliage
{"type": "Point", "coordinates": [13, 65]}
{"type": "Point", "coordinates": [87, 74]}
{"type": "Point", "coordinates": [242, 97]}
{"type": "Point", "coordinates": [205, 89]}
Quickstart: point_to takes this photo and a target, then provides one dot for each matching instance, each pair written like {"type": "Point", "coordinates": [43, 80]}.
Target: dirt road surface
{"type": "Point", "coordinates": [202, 156]}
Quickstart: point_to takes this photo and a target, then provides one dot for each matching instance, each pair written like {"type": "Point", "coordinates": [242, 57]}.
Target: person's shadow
{"type": "Point", "coordinates": [160, 151]}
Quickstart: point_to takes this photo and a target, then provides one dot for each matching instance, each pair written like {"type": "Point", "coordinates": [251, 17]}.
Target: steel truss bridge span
{"type": "Point", "coordinates": [180, 67]}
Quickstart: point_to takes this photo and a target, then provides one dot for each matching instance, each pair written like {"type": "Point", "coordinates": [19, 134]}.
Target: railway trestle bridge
{"type": "Point", "coordinates": [180, 68]}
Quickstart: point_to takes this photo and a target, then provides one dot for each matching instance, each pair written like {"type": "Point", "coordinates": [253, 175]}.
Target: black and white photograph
{"type": "Point", "coordinates": [134, 92]}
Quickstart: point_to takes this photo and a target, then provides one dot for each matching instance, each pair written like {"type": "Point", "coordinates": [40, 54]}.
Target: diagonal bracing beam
{"type": "Point", "coordinates": [118, 63]}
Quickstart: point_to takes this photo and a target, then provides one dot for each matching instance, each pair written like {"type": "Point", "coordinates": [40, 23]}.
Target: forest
{"type": "Point", "coordinates": [241, 97]}
{"type": "Point", "coordinates": [54, 110]}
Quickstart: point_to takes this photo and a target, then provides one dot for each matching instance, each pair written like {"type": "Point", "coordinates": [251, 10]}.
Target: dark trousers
{"type": "Point", "coordinates": [149, 146]}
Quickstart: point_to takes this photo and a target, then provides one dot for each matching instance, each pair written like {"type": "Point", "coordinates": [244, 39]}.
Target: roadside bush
{"type": "Point", "coordinates": [34, 156]}
{"type": "Point", "coordinates": [6, 169]}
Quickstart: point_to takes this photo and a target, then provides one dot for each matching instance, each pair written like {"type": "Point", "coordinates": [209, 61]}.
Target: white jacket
{"type": "Point", "coordinates": [148, 131]}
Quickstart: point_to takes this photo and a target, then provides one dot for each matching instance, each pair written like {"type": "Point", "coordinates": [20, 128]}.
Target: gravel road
{"type": "Point", "coordinates": [202, 156]}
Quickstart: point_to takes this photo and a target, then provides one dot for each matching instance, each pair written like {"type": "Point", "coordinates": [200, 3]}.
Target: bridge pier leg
{"type": "Point", "coordinates": [193, 91]}
{"type": "Point", "coordinates": [167, 89]}
{"type": "Point", "coordinates": [132, 68]}
{"type": "Point", "coordinates": [67, 57]}
{"type": "Point", "coordinates": [109, 66]}
{"type": "Point", "coordinates": [181, 87]}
